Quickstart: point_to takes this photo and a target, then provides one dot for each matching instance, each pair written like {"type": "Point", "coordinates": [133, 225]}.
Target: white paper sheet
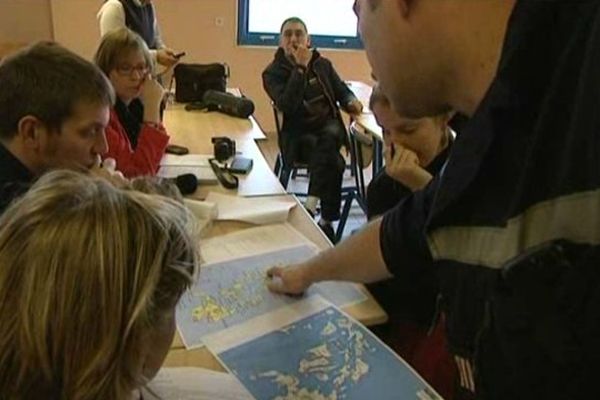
{"type": "Point", "coordinates": [255, 210]}
{"type": "Point", "coordinates": [173, 165]}
{"type": "Point", "coordinates": [201, 209]}
{"type": "Point", "coordinates": [204, 211]}
{"type": "Point", "coordinates": [247, 242]}
{"type": "Point", "coordinates": [196, 384]}
{"type": "Point", "coordinates": [197, 160]}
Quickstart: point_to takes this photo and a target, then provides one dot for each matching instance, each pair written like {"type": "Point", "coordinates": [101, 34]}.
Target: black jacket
{"type": "Point", "coordinates": [15, 178]}
{"type": "Point", "coordinates": [285, 84]}
{"type": "Point", "coordinates": [522, 313]}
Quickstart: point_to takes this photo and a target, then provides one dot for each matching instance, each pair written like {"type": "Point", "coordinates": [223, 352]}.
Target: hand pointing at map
{"type": "Point", "coordinates": [287, 280]}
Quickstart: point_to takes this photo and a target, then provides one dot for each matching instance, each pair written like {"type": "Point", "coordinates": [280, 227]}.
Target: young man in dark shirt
{"type": "Point", "coordinates": [54, 107]}
{"type": "Point", "coordinates": [511, 225]}
{"type": "Point", "coordinates": [307, 89]}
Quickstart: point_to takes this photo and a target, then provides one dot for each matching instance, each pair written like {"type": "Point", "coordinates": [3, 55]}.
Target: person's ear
{"type": "Point", "coordinates": [30, 130]}
{"type": "Point", "coordinates": [308, 40]}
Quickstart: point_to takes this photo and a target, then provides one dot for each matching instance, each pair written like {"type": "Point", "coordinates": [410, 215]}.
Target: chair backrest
{"type": "Point", "coordinates": [364, 144]}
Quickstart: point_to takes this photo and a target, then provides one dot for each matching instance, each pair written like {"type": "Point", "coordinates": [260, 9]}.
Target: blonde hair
{"type": "Point", "coordinates": [87, 271]}
{"type": "Point", "coordinates": [118, 43]}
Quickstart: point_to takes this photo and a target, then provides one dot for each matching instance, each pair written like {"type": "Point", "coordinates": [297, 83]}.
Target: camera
{"type": "Point", "coordinates": [223, 148]}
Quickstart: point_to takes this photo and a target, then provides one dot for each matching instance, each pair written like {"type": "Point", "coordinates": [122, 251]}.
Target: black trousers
{"type": "Point", "coordinates": [320, 149]}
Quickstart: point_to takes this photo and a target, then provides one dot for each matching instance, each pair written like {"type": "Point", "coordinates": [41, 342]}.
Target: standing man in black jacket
{"type": "Point", "coordinates": [307, 89]}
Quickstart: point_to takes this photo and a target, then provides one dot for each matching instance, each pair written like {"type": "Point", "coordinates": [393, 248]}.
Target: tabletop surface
{"type": "Point", "coordinates": [194, 129]}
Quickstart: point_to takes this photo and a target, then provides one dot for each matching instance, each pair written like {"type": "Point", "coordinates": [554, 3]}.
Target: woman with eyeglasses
{"type": "Point", "coordinates": [136, 137]}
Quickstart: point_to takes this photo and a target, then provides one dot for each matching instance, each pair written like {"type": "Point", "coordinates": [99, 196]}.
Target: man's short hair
{"type": "Point", "coordinates": [117, 44]}
{"type": "Point", "coordinates": [378, 97]}
{"type": "Point", "coordinates": [293, 20]}
{"type": "Point", "coordinates": [48, 81]}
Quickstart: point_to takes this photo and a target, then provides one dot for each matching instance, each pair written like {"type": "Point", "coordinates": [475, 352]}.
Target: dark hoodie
{"type": "Point", "coordinates": [306, 97]}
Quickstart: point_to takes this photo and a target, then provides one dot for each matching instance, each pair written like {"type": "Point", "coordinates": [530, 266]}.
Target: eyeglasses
{"type": "Point", "coordinates": [128, 70]}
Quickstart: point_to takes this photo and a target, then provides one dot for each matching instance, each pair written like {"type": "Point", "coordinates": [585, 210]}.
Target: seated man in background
{"type": "Point", "coordinates": [54, 107]}
{"type": "Point", "coordinates": [136, 137]}
{"type": "Point", "coordinates": [140, 17]}
{"type": "Point", "coordinates": [306, 88]}
{"type": "Point", "coordinates": [90, 276]}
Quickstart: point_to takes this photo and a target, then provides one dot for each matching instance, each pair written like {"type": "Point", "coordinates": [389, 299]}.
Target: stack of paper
{"type": "Point", "coordinates": [256, 210]}
{"type": "Point", "coordinates": [172, 166]}
{"type": "Point", "coordinates": [204, 211]}
{"type": "Point", "coordinates": [252, 241]}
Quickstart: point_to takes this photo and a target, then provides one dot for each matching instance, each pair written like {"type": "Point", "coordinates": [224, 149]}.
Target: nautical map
{"type": "Point", "coordinates": [326, 356]}
{"type": "Point", "coordinates": [233, 292]}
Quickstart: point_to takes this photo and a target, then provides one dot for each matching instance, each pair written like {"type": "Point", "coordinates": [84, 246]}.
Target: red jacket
{"type": "Point", "coordinates": [145, 159]}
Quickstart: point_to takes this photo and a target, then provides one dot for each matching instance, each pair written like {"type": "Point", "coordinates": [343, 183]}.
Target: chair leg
{"type": "Point", "coordinates": [352, 160]}
{"type": "Point", "coordinates": [277, 168]}
{"type": "Point", "coordinates": [360, 177]}
{"type": "Point", "coordinates": [349, 196]}
{"type": "Point", "coordinates": [284, 176]}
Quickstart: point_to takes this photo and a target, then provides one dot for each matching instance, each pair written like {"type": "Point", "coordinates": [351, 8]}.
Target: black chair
{"type": "Point", "coordinates": [285, 172]}
{"type": "Point", "coordinates": [282, 171]}
{"type": "Point", "coordinates": [362, 146]}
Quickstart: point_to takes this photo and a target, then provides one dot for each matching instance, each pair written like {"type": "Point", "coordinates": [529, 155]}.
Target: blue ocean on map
{"type": "Point", "coordinates": [325, 356]}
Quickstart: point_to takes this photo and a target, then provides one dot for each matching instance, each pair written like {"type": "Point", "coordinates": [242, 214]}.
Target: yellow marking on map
{"type": "Point", "coordinates": [244, 293]}
{"type": "Point", "coordinates": [211, 310]}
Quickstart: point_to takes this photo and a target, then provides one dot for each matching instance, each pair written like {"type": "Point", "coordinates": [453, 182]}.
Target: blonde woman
{"type": "Point", "coordinates": [136, 137]}
{"type": "Point", "coordinates": [89, 279]}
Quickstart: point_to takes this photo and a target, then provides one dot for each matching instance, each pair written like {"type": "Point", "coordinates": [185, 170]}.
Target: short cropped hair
{"type": "Point", "coordinates": [294, 20]}
{"type": "Point", "coordinates": [118, 43]}
{"type": "Point", "coordinates": [47, 81]}
{"type": "Point", "coordinates": [378, 97]}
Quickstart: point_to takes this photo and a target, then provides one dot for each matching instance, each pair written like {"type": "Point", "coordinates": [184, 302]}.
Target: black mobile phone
{"type": "Point", "coordinates": [178, 150]}
{"type": "Point", "coordinates": [179, 55]}
{"type": "Point", "coordinates": [241, 165]}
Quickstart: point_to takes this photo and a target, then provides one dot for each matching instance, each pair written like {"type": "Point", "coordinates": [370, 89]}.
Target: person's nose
{"type": "Point", "coordinates": [137, 74]}
{"type": "Point", "coordinates": [101, 144]}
